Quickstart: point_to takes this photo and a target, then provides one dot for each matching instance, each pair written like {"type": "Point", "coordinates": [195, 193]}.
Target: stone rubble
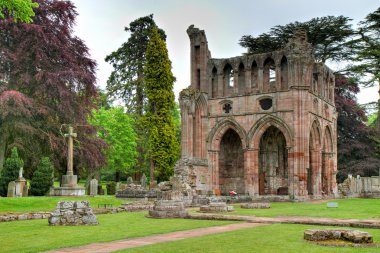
{"type": "Point", "coordinates": [72, 213]}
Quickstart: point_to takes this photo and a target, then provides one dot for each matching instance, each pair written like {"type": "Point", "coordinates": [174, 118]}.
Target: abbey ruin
{"type": "Point", "coordinates": [261, 125]}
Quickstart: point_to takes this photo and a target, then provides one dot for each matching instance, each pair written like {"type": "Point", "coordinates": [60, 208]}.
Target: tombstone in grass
{"type": "Point", "coordinates": [143, 181]}
{"type": "Point", "coordinates": [118, 184]}
{"type": "Point", "coordinates": [332, 205]}
{"type": "Point", "coordinates": [93, 187]}
{"type": "Point", "coordinates": [129, 181]}
{"type": "Point", "coordinates": [11, 189]}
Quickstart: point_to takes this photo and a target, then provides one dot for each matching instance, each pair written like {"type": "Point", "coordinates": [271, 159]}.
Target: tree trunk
{"type": "Point", "coordinates": [151, 184]}
{"type": "Point", "coordinates": [2, 151]}
{"type": "Point", "coordinates": [117, 176]}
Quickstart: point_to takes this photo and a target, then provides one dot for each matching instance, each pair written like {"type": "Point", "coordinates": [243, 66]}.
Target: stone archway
{"type": "Point", "coordinates": [313, 171]}
{"type": "Point", "coordinates": [231, 163]}
{"type": "Point", "coordinates": [273, 163]}
{"type": "Point", "coordinates": [327, 154]}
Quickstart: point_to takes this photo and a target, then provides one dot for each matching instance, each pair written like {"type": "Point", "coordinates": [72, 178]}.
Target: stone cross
{"type": "Point", "coordinates": [70, 153]}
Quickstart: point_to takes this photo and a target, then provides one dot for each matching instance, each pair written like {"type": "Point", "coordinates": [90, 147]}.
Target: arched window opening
{"type": "Point", "coordinates": [229, 76]}
{"type": "Point", "coordinates": [241, 78]}
{"type": "Point", "coordinates": [254, 74]}
{"type": "Point", "coordinates": [269, 74]}
{"type": "Point", "coordinates": [214, 83]}
{"type": "Point", "coordinates": [284, 73]}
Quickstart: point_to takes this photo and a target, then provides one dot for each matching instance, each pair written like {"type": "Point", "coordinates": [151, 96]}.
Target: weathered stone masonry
{"type": "Point", "coordinates": [261, 125]}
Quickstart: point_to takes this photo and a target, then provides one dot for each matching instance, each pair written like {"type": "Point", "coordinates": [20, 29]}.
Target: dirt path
{"type": "Point", "coordinates": [142, 241]}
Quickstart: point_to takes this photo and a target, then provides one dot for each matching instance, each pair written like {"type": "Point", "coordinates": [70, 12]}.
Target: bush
{"type": "Point", "coordinates": [10, 171]}
{"type": "Point", "coordinates": [42, 178]}
{"type": "Point", "coordinates": [111, 188]}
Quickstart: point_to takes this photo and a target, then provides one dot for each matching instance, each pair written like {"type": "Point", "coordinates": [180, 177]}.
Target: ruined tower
{"type": "Point", "coordinates": [262, 125]}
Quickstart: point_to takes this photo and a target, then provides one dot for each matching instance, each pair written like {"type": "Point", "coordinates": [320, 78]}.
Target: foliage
{"type": "Point", "coordinates": [48, 80]}
{"type": "Point", "coordinates": [176, 114]}
{"type": "Point", "coordinates": [163, 145]}
{"type": "Point", "coordinates": [367, 47]}
{"type": "Point", "coordinates": [356, 146]}
{"type": "Point", "coordinates": [10, 172]}
{"type": "Point", "coordinates": [21, 10]}
{"type": "Point", "coordinates": [116, 128]}
{"type": "Point", "coordinates": [35, 233]}
{"type": "Point", "coordinates": [328, 35]}
{"type": "Point", "coordinates": [127, 81]}
{"type": "Point", "coordinates": [42, 178]}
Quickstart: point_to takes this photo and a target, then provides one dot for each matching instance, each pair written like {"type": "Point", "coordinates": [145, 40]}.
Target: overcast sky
{"type": "Point", "coordinates": [101, 25]}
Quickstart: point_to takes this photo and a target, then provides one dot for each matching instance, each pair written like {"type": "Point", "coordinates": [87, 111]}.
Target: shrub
{"type": "Point", "coordinates": [10, 171]}
{"type": "Point", "coordinates": [42, 178]}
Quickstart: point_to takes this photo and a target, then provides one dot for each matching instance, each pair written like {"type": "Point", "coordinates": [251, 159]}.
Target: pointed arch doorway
{"type": "Point", "coordinates": [273, 163]}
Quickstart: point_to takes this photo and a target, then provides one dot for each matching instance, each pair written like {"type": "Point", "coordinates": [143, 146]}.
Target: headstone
{"type": "Point", "coordinates": [25, 191]}
{"type": "Point", "coordinates": [143, 181]}
{"type": "Point", "coordinates": [93, 187]}
{"type": "Point", "coordinates": [11, 189]}
{"type": "Point", "coordinates": [117, 186]}
{"type": "Point", "coordinates": [129, 181]}
{"type": "Point", "coordinates": [332, 205]}
{"type": "Point", "coordinates": [20, 183]}
{"type": "Point", "coordinates": [100, 190]}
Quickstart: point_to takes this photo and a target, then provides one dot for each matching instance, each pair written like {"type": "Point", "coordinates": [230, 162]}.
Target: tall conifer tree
{"type": "Point", "coordinates": [163, 145]}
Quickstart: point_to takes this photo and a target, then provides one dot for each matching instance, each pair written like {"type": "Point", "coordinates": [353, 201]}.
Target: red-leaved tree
{"type": "Point", "coordinates": [47, 79]}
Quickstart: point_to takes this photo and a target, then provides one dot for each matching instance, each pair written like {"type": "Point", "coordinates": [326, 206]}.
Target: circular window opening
{"type": "Point", "coordinates": [266, 103]}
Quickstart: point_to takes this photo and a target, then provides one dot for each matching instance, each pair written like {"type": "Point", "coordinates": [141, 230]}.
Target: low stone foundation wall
{"type": "Point", "coordinates": [168, 209]}
{"type": "Point", "coordinates": [257, 205]}
{"type": "Point", "coordinates": [354, 236]}
{"type": "Point", "coordinates": [24, 216]}
{"type": "Point", "coordinates": [216, 207]}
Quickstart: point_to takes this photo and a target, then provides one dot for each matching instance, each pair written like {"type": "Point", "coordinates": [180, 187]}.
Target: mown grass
{"type": "Point", "coordinates": [348, 209]}
{"type": "Point", "coordinates": [37, 236]}
{"type": "Point", "coordinates": [276, 238]}
{"type": "Point", "coordinates": [34, 204]}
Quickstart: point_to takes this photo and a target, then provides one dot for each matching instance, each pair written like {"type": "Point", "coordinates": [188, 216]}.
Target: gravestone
{"type": "Point", "coordinates": [117, 188]}
{"type": "Point", "coordinates": [25, 192]}
{"type": "Point", "coordinates": [129, 181]}
{"type": "Point", "coordinates": [11, 189]}
{"type": "Point", "coordinates": [100, 190]}
{"type": "Point", "coordinates": [332, 205]}
{"type": "Point", "coordinates": [143, 181]}
{"type": "Point", "coordinates": [93, 187]}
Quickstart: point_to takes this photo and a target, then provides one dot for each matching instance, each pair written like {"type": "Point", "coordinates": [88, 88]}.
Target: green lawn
{"type": "Point", "coordinates": [34, 204]}
{"type": "Point", "coordinates": [276, 238]}
{"type": "Point", "coordinates": [348, 209]}
{"type": "Point", "coordinates": [36, 235]}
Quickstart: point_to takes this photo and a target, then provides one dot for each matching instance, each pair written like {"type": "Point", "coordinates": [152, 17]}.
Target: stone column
{"type": "Point", "coordinates": [251, 168]}
{"type": "Point", "coordinates": [214, 169]}
{"type": "Point", "coordinates": [70, 151]}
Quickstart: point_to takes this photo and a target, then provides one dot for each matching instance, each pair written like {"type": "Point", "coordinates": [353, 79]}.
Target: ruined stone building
{"type": "Point", "coordinates": [261, 125]}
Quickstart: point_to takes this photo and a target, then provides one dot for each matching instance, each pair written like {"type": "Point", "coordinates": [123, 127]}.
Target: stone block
{"type": "Point", "coordinates": [258, 205]}
{"type": "Point", "coordinates": [68, 213]}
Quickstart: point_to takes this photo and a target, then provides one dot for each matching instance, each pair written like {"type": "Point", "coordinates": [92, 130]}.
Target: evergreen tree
{"type": "Point", "coordinates": [328, 35]}
{"type": "Point", "coordinates": [159, 80]}
{"type": "Point", "coordinates": [127, 81]}
{"type": "Point", "coordinates": [42, 178]}
{"type": "Point", "coordinates": [10, 172]}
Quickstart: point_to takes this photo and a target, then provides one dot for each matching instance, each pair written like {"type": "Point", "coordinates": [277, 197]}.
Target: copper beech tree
{"type": "Point", "coordinates": [46, 79]}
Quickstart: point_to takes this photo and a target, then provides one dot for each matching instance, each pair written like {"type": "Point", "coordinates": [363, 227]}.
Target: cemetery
{"type": "Point", "coordinates": [267, 151]}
